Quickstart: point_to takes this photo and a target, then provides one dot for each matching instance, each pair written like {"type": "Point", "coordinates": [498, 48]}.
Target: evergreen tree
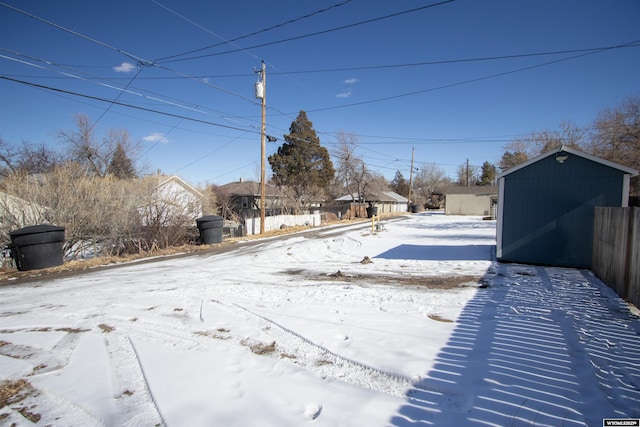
{"type": "Point", "coordinates": [488, 175]}
{"type": "Point", "coordinates": [301, 164]}
{"type": "Point", "coordinates": [510, 159]}
{"type": "Point", "coordinates": [121, 165]}
{"type": "Point", "coordinates": [400, 185]}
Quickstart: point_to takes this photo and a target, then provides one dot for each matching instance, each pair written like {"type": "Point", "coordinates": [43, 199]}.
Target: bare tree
{"type": "Point", "coordinates": [7, 158]}
{"type": "Point", "coordinates": [352, 174]}
{"type": "Point", "coordinates": [467, 174]}
{"type": "Point", "coordinates": [616, 134]}
{"type": "Point", "coordinates": [85, 148]}
{"type": "Point", "coordinates": [527, 147]}
{"type": "Point", "coordinates": [27, 158]}
{"type": "Point", "coordinates": [428, 178]}
{"type": "Point", "coordinates": [224, 200]}
{"type": "Point", "coordinates": [94, 211]}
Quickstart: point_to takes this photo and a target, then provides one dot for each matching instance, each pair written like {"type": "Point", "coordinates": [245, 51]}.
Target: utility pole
{"type": "Point", "coordinates": [467, 172]}
{"type": "Point", "coordinates": [411, 177]}
{"type": "Point", "coordinates": [261, 93]}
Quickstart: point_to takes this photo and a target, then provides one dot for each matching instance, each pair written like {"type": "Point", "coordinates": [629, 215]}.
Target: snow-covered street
{"type": "Point", "coordinates": [304, 330]}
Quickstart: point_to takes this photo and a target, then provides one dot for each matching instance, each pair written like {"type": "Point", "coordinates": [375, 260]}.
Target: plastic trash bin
{"type": "Point", "coordinates": [210, 228]}
{"type": "Point", "coordinates": [38, 246]}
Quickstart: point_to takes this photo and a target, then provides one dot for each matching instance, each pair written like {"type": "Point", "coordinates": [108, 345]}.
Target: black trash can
{"type": "Point", "coordinates": [372, 211]}
{"type": "Point", "coordinates": [38, 246]}
{"type": "Point", "coordinates": [413, 208]}
{"type": "Point", "coordinates": [210, 228]}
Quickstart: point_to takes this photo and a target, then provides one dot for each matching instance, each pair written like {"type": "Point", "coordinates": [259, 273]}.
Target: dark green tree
{"type": "Point", "coordinates": [121, 165]}
{"type": "Point", "coordinates": [510, 159]}
{"type": "Point", "coordinates": [488, 175]}
{"type": "Point", "coordinates": [400, 185]}
{"type": "Point", "coordinates": [301, 164]}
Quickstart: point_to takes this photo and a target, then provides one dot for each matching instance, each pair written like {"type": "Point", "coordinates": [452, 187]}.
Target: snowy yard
{"type": "Point", "coordinates": [303, 331]}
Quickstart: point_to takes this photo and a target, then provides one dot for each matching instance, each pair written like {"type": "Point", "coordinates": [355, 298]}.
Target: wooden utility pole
{"type": "Point", "coordinates": [467, 172]}
{"type": "Point", "coordinates": [411, 177]}
{"type": "Point", "coordinates": [263, 195]}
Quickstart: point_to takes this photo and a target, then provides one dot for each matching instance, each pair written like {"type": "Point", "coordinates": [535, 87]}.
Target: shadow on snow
{"type": "Point", "coordinates": [538, 346]}
{"type": "Point", "coordinates": [440, 252]}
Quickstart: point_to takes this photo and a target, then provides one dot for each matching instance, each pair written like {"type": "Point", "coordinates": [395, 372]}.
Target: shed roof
{"type": "Point", "coordinates": [574, 152]}
{"type": "Point", "coordinates": [477, 190]}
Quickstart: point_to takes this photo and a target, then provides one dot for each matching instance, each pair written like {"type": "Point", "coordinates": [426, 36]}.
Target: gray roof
{"type": "Point", "coordinates": [377, 196]}
{"type": "Point", "coordinates": [249, 188]}
{"type": "Point", "coordinates": [477, 190]}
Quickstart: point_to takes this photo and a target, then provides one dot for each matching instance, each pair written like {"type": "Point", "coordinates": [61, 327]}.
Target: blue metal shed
{"type": "Point", "coordinates": [546, 206]}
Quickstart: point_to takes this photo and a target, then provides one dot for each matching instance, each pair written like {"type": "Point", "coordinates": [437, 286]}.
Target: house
{"type": "Point", "coordinates": [386, 202]}
{"type": "Point", "coordinates": [242, 198]}
{"type": "Point", "coordinates": [391, 202]}
{"type": "Point", "coordinates": [17, 213]}
{"type": "Point", "coordinates": [471, 200]}
{"type": "Point", "coordinates": [170, 200]}
{"type": "Point", "coordinates": [546, 206]}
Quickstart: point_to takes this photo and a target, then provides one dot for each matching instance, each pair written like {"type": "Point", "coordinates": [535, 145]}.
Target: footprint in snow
{"type": "Point", "coordinates": [312, 411]}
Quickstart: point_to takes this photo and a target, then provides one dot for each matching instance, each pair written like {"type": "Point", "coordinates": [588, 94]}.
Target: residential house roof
{"type": "Point", "coordinates": [376, 196]}
{"type": "Point", "coordinates": [165, 180]}
{"type": "Point", "coordinates": [249, 188]}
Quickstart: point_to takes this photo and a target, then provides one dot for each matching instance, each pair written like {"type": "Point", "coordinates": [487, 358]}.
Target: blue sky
{"type": "Point", "coordinates": [456, 81]}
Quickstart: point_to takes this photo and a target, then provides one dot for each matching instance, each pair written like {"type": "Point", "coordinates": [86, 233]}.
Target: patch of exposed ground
{"type": "Point", "coordinates": [258, 347]}
{"type": "Point", "coordinates": [431, 282]}
{"type": "Point", "coordinates": [12, 392]}
{"type": "Point", "coordinates": [439, 318]}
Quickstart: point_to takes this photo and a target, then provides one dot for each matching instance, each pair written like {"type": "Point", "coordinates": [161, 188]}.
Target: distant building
{"type": "Point", "coordinates": [386, 202]}
{"type": "Point", "coordinates": [472, 200]}
{"type": "Point", "coordinates": [170, 199]}
{"type": "Point", "coordinates": [243, 198]}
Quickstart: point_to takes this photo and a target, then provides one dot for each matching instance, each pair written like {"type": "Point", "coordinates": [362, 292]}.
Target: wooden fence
{"type": "Point", "coordinates": [616, 250]}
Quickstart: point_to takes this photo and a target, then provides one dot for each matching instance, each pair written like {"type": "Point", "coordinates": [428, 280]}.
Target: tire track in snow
{"type": "Point", "coordinates": [70, 412]}
{"type": "Point", "coordinates": [133, 397]}
{"type": "Point", "coordinates": [363, 375]}
{"type": "Point", "coordinates": [350, 370]}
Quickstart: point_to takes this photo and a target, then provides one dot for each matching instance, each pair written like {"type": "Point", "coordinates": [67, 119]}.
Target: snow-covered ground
{"type": "Point", "coordinates": [303, 331]}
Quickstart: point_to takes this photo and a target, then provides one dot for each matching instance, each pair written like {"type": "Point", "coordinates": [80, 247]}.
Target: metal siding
{"type": "Point", "coordinates": [548, 210]}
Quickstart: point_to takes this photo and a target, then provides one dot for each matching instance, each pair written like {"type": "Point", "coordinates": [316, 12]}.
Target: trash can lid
{"type": "Point", "coordinates": [35, 229]}
{"type": "Point", "coordinates": [209, 218]}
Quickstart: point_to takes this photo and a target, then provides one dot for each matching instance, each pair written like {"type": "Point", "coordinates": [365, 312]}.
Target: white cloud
{"type": "Point", "coordinates": [351, 81]}
{"type": "Point", "coordinates": [125, 67]}
{"type": "Point", "coordinates": [156, 137]}
{"type": "Point", "coordinates": [345, 94]}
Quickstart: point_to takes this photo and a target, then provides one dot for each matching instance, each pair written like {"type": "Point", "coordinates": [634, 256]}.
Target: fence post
{"type": "Point", "coordinates": [626, 275]}
{"type": "Point", "coordinates": [633, 257]}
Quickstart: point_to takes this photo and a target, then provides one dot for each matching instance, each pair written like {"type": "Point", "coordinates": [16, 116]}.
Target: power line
{"type": "Point", "coordinates": [75, 33]}
{"type": "Point", "coordinates": [383, 66]}
{"type": "Point", "coordinates": [140, 61]}
{"type": "Point", "coordinates": [231, 41]}
{"type": "Point", "coordinates": [488, 77]}
{"type": "Point", "coordinates": [453, 61]}
{"type": "Point", "coordinates": [150, 110]}
{"type": "Point", "coordinates": [81, 75]}
{"type": "Point", "coordinates": [316, 33]}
